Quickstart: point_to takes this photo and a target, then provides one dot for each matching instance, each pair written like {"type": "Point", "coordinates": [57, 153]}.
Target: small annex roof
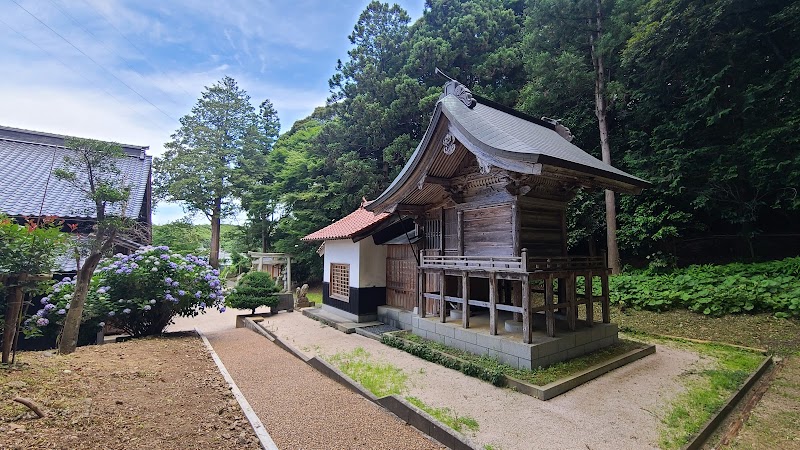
{"type": "Point", "coordinates": [349, 227]}
{"type": "Point", "coordinates": [504, 138]}
{"type": "Point", "coordinates": [27, 161]}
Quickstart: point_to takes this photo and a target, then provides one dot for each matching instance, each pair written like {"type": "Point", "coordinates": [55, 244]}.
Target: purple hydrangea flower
{"type": "Point", "coordinates": [49, 307]}
{"type": "Point", "coordinates": [175, 284]}
{"type": "Point", "coordinates": [111, 314]}
{"type": "Point", "coordinates": [202, 305]}
{"type": "Point", "coordinates": [61, 311]}
{"type": "Point", "coordinates": [42, 322]}
{"type": "Point", "coordinates": [198, 294]}
{"type": "Point", "coordinates": [181, 292]}
{"type": "Point", "coordinates": [222, 309]}
{"type": "Point", "coordinates": [126, 311]}
{"type": "Point", "coordinates": [45, 300]}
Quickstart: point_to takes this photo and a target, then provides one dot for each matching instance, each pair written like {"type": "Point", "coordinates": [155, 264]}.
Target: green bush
{"type": "Point", "coordinates": [715, 290]}
{"type": "Point", "coordinates": [254, 289]}
{"type": "Point", "coordinates": [488, 371]}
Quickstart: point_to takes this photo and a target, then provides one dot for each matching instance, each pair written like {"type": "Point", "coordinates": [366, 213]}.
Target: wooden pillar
{"type": "Point", "coordinates": [589, 299]}
{"type": "Point", "coordinates": [465, 297]}
{"type": "Point", "coordinates": [492, 303]}
{"type": "Point", "coordinates": [549, 317]}
{"type": "Point", "coordinates": [516, 298]}
{"type": "Point", "coordinates": [442, 304]}
{"type": "Point", "coordinates": [460, 233]}
{"type": "Point", "coordinates": [605, 295]}
{"type": "Point", "coordinates": [526, 310]}
{"type": "Point", "coordinates": [421, 289]}
{"type": "Point", "coordinates": [572, 308]}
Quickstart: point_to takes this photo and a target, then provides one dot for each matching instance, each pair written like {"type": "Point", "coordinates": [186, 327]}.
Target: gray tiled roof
{"type": "Point", "coordinates": [27, 159]}
{"type": "Point", "coordinates": [513, 137]}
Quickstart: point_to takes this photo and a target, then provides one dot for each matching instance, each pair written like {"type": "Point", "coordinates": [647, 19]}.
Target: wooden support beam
{"type": "Point", "coordinates": [492, 304]}
{"type": "Point", "coordinates": [460, 230]}
{"type": "Point", "coordinates": [465, 296]}
{"type": "Point", "coordinates": [589, 299]}
{"type": "Point", "coordinates": [572, 309]}
{"type": "Point", "coordinates": [437, 180]}
{"type": "Point", "coordinates": [549, 317]}
{"type": "Point", "coordinates": [421, 290]}
{"type": "Point", "coordinates": [527, 327]}
{"type": "Point", "coordinates": [442, 304]}
{"type": "Point", "coordinates": [605, 297]}
{"type": "Point", "coordinates": [516, 298]}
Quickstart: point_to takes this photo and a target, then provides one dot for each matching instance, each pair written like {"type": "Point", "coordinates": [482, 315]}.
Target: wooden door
{"type": "Point", "coordinates": [401, 276]}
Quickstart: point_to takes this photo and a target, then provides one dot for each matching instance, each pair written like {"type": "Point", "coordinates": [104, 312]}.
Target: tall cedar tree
{"type": "Point", "coordinates": [199, 166]}
{"type": "Point", "coordinates": [92, 169]}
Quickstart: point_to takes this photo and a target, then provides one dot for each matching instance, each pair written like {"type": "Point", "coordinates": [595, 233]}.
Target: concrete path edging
{"type": "Point", "coordinates": [405, 411]}
{"type": "Point", "coordinates": [261, 432]}
{"type": "Point", "coordinates": [714, 422]}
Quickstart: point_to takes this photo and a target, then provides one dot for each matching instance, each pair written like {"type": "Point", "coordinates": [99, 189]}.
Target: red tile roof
{"type": "Point", "coordinates": [355, 222]}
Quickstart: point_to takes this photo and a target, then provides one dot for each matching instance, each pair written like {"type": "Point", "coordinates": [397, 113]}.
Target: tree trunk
{"type": "Point", "coordinates": [601, 111]}
{"type": "Point", "coordinates": [14, 296]}
{"type": "Point", "coordinates": [72, 323]}
{"type": "Point", "coordinates": [213, 259]}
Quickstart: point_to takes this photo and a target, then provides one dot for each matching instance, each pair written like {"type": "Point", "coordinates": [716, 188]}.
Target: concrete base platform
{"type": "Point", "coordinates": [506, 346]}
{"type": "Point", "coordinates": [343, 324]}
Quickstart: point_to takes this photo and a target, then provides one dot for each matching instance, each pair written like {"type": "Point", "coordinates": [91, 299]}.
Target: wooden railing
{"type": "Point", "coordinates": [518, 264]}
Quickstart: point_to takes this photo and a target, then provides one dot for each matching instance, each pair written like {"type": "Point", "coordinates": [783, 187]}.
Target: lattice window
{"type": "Point", "coordinates": [433, 234]}
{"type": "Point", "coordinates": [340, 282]}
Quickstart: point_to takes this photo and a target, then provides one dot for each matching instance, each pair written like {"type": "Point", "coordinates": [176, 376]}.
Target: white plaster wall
{"type": "Point", "coordinates": [343, 251]}
{"type": "Point", "coordinates": [373, 264]}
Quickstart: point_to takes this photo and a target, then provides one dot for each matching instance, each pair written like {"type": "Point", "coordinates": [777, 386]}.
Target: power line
{"type": "Point", "coordinates": [106, 46]}
{"type": "Point", "coordinates": [95, 62]}
{"type": "Point", "coordinates": [127, 105]}
{"type": "Point", "coordinates": [100, 13]}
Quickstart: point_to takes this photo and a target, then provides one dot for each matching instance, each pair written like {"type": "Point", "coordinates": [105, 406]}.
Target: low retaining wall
{"type": "Point", "coordinates": [407, 412]}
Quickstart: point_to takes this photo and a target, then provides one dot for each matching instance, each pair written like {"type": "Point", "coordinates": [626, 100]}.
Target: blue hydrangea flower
{"type": "Point", "coordinates": [126, 311]}
{"type": "Point", "coordinates": [61, 311]}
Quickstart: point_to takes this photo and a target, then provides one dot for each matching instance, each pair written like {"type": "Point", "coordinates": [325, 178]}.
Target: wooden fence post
{"type": "Point", "coordinates": [13, 307]}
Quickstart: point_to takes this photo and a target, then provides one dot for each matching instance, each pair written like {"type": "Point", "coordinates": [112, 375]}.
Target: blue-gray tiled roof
{"type": "Point", "coordinates": [27, 159]}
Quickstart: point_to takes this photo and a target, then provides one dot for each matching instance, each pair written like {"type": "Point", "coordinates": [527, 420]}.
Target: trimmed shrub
{"type": "Point", "coordinates": [255, 289]}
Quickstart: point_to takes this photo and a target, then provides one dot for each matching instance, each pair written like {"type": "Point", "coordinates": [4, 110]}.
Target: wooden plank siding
{"type": "Point", "coordinates": [542, 227]}
{"type": "Point", "coordinates": [488, 231]}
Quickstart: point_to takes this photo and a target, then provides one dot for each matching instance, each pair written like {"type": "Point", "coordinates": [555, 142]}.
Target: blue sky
{"type": "Point", "coordinates": [127, 70]}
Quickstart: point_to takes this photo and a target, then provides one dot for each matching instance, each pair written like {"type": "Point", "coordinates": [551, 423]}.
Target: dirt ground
{"type": "Point", "coordinates": [774, 423]}
{"type": "Point", "coordinates": [620, 410]}
{"type": "Point", "coordinates": [132, 395]}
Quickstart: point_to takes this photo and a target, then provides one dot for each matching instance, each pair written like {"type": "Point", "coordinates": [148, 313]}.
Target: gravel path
{"type": "Point", "coordinates": [303, 409]}
{"type": "Point", "coordinates": [620, 410]}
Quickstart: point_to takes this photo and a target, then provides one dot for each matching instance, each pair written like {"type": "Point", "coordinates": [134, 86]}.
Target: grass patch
{"type": "Point", "coordinates": [706, 389]}
{"type": "Point", "coordinates": [447, 416]}
{"type": "Point", "coordinates": [491, 370]}
{"type": "Point", "coordinates": [381, 379]}
{"type": "Point", "coordinates": [314, 295]}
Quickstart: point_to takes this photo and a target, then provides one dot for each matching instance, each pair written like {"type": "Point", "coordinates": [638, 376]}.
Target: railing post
{"type": "Point", "coordinates": [589, 299]}
{"type": "Point", "coordinates": [493, 303]}
{"type": "Point", "coordinates": [572, 309]}
{"type": "Point", "coordinates": [465, 297]}
{"type": "Point", "coordinates": [421, 300]}
{"type": "Point", "coordinates": [605, 297]}
{"type": "Point", "coordinates": [524, 255]}
{"type": "Point", "coordinates": [442, 304]}
{"type": "Point", "coordinates": [526, 309]}
{"type": "Point", "coordinates": [549, 317]}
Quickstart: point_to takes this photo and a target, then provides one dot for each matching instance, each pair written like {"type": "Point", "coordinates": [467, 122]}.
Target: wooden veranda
{"type": "Point", "coordinates": [533, 274]}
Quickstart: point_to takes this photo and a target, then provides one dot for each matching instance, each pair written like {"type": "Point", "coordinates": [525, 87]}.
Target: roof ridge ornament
{"type": "Point", "coordinates": [460, 92]}
{"type": "Point", "coordinates": [560, 128]}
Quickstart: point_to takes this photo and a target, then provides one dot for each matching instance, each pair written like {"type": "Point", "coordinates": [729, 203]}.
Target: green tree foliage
{"type": "Point", "coordinates": [714, 102]}
{"type": "Point", "coordinates": [181, 236]}
{"type": "Point", "coordinates": [199, 166]}
{"type": "Point", "coordinates": [254, 290]}
{"type": "Point", "coordinates": [254, 179]}
{"type": "Point", "coordinates": [31, 248]}
{"type": "Point", "coordinates": [701, 99]}
{"type": "Point", "coordinates": [92, 169]}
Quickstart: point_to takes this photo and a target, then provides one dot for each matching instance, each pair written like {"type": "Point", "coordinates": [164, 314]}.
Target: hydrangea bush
{"type": "Point", "coordinates": [138, 293]}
